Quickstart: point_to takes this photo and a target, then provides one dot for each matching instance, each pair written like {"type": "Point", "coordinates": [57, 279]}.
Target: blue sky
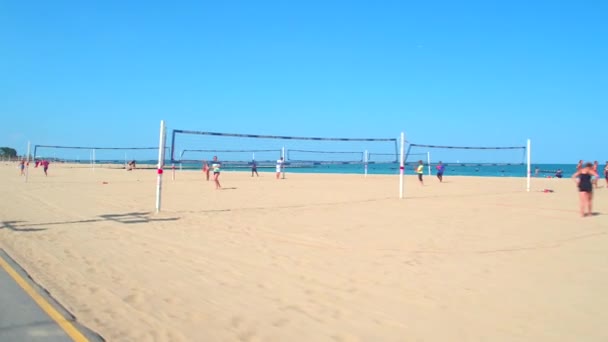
{"type": "Point", "coordinates": [478, 73]}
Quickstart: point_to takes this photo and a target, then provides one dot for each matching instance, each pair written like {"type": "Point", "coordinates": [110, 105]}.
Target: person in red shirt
{"type": "Point", "coordinates": [45, 166]}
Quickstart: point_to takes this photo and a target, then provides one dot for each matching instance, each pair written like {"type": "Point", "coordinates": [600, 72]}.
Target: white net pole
{"type": "Point", "coordinates": [365, 158]}
{"type": "Point", "coordinates": [529, 170]}
{"type": "Point", "coordinates": [428, 161]}
{"type": "Point", "coordinates": [283, 163]}
{"type": "Point", "coordinates": [401, 165]}
{"type": "Point", "coordinates": [161, 161]}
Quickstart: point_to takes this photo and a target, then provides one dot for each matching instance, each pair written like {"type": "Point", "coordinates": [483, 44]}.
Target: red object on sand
{"type": "Point", "coordinates": [159, 171]}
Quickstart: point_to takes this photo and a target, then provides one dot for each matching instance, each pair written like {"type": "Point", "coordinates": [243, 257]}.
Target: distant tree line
{"type": "Point", "coordinates": [7, 152]}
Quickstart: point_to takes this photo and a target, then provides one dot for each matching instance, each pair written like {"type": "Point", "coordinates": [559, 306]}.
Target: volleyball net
{"type": "Point", "coordinates": [95, 156]}
{"type": "Point", "coordinates": [235, 150]}
{"type": "Point", "coordinates": [471, 160]}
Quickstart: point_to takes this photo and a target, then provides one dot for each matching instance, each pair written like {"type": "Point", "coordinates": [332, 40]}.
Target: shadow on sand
{"type": "Point", "coordinates": [126, 218]}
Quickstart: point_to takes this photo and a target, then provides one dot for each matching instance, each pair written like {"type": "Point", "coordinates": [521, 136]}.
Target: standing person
{"type": "Point", "coordinates": [45, 166]}
{"type": "Point", "coordinates": [22, 167]}
{"type": "Point", "coordinates": [206, 169]}
{"type": "Point", "coordinates": [216, 166]}
{"type": "Point", "coordinates": [536, 172]}
{"type": "Point", "coordinates": [420, 171]}
{"type": "Point", "coordinates": [280, 166]}
{"type": "Point", "coordinates": [596, 177]}
{"type": "Point", "coordinates": [254, 168]}
{"type": "Point", "coordinates": [440, 169]}
{"type": "Point", "coordinates": [585, 188]}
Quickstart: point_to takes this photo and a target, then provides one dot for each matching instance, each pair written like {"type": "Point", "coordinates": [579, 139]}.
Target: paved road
{"type": "Point", "coordinates": [29, 313]}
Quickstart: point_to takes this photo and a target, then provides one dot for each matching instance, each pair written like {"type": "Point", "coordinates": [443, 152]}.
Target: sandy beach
{"type": "Point", "coordinates": [312, 257]}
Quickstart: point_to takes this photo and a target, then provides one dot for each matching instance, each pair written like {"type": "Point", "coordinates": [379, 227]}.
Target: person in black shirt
{"type": "Point", "coordinates": [585, 188]}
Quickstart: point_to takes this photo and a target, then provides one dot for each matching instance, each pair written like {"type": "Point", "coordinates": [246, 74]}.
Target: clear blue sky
{"type": "Point", "coordinates": [446, 72]}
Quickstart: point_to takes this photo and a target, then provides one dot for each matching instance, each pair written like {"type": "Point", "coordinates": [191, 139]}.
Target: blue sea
{"type": "Point", "coordinates": [454, 169]}
{"type": "Point", "coordinates": [483, 170]}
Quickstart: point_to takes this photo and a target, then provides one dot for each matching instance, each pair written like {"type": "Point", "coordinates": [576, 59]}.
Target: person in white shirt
{"type": "Point", "coordinates": [280, 166]}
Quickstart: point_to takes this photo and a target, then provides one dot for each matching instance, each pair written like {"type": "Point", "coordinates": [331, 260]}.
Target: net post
{"type": "Point", "coordinates": [529, 166]}
{"type": "Point", "coordinates": [93, 160]}
{"type": "Point", "coordinates": [27, 163]}
{"type": "Point", "coordinates": [173, 171]}
{"type": "Point", "coordinates": [283, 163]}
{"type": "Point", "coordinates": [428, 161]}
{"type": "Point", "coordinates": [401, 166]}
{"type": "Point", "coordinates": [365, 160]}
{"type": "Point", "coordinates": [161, 161]}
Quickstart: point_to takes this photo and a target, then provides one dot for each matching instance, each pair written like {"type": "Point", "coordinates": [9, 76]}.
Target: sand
{"type": "Point", "coordinates": [311, 257]}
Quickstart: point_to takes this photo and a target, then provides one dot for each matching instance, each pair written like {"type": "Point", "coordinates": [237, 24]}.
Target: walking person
{"type": "Point", "coordinates": [22, 167]}
{"type": "Point", "coordinates": [45, 166]}
{"type": "Point", "coordinates": [420, 171]}
{"type": "Point", "coordinates": [585, 188]}
{"type": "Point", "coordinates": [216, 167]}
{"type": "Point", "coordinates": [440, 170]}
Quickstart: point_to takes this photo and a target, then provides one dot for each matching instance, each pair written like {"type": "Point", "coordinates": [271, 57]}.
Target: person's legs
{"type": "Point", "coordinates": [216, 177]}
{"type": "Point", "coordinates": [440, 176]}
{"type": "Point", "coordinates": [583, 202]}
{"type": "Point", "coordinates": [589, 203]}
{"type": "Point", "coordinates": [420, 178]}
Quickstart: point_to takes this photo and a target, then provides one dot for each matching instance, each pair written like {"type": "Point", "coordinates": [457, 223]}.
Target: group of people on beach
{"type": "Point", "coordinates": [440, 168]}
{"type": "Point", "coordinates": [587, 177]}
{"type": "Point", "coordinates": [43, 162]}
{"type": "Point", "coordinates": [216, 168]}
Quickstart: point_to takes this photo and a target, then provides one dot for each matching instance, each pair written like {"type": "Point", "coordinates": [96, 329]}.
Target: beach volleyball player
{"type": "Point", "coordinates": [420, 171]}
{"type": "Point", "coordinates": [280, 166]}
{"type": "Point", "coordinates": [216, 167]}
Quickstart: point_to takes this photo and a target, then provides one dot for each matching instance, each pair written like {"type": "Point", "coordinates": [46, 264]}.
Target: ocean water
{"type": "Point", "coordinates": [479, 170]}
